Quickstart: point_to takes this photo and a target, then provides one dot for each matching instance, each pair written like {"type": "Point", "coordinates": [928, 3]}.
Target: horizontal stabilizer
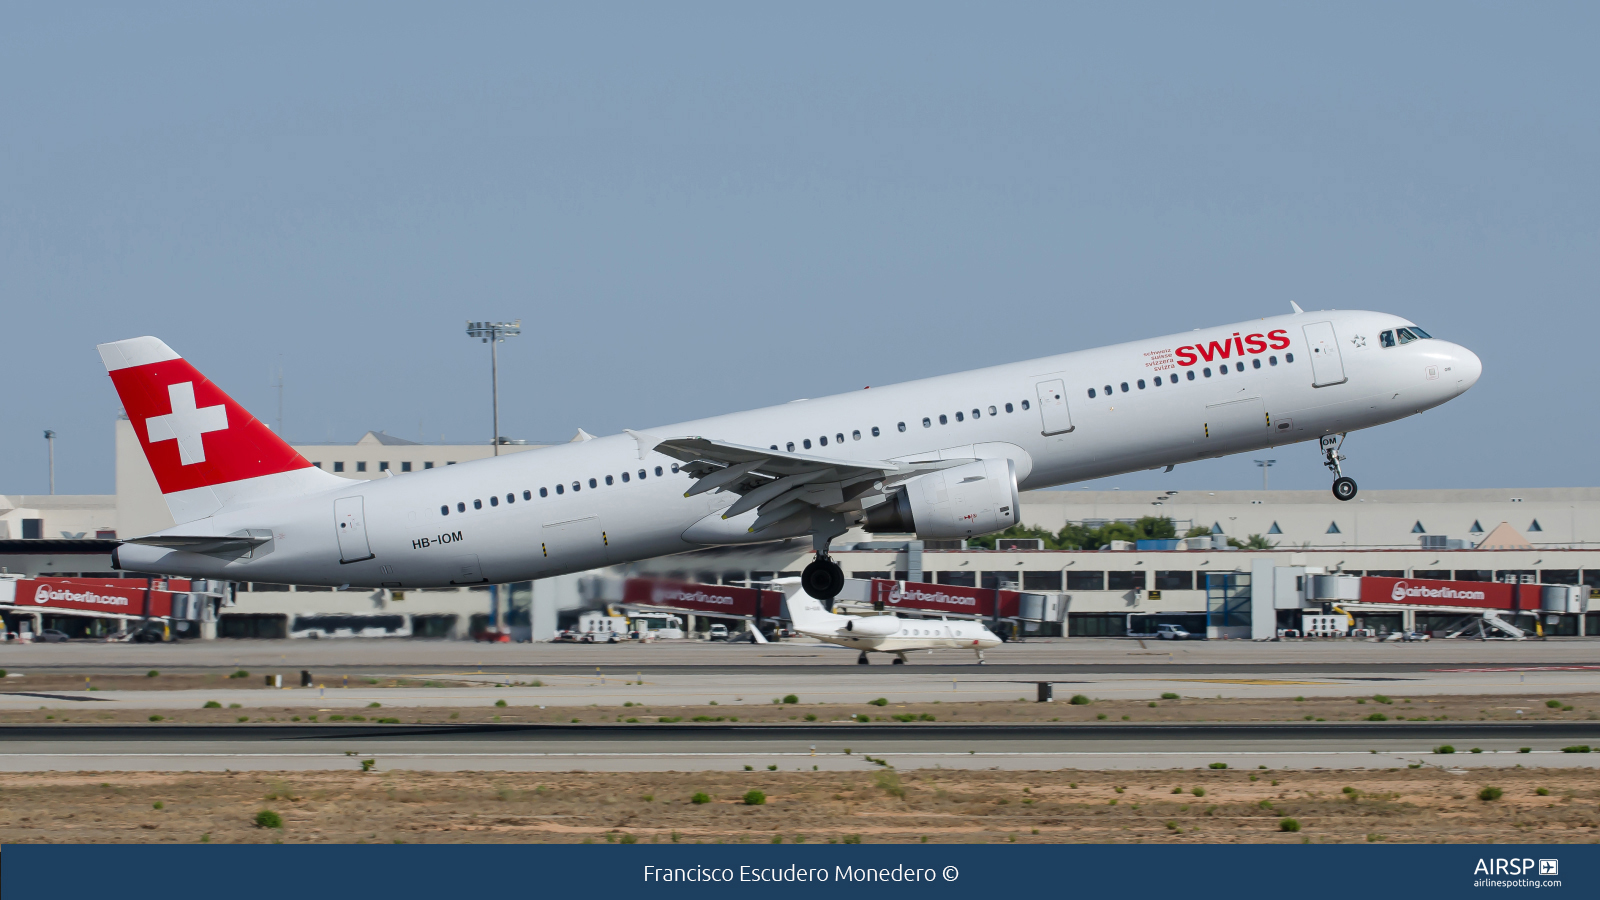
{"type": "Point", "coordinates": [201, 543]}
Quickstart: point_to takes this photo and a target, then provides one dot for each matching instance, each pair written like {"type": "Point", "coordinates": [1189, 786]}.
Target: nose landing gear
{"type": "Point", "coordinates": [1344, 487]}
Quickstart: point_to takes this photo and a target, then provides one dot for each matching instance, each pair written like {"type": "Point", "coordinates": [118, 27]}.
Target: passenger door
{"type": "Point", "coordinates": [1235, 425]}
{"type": "Point", "coordinates": [1327, 366]}
{"type": "Point", "coordinates": [351, 526]}
{"type": "Point", "coordinates": [1053, 407]}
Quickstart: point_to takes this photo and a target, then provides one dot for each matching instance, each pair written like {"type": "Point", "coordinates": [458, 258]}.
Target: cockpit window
{"type": "Point", "coordinates": [1386, 339]}
{"type": "Point", "coordinates": [1419, 332]}
{"type": "Point", "coordinates": [1405, 335]}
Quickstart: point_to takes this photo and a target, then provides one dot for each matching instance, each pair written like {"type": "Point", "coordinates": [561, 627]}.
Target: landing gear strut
{"type": "Point", "coordinates": [899, 660]}
{"type": "Point", "coordinates": [1344, 487]}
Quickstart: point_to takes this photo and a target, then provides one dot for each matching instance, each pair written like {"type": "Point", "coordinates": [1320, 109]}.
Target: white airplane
{"type": "Point", "coordinates": [941, 457]}
{"type": "Point", "coordinates": [888, 633]}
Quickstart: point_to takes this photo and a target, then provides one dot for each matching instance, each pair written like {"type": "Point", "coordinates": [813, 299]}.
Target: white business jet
{"type": "Point", "coordinates": [942, 458]}
{"type": "Point", "coordinates": [888, 633]}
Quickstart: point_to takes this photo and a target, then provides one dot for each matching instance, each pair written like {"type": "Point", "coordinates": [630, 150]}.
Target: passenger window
{"type": "Point", "coordinates": [1222, 369]}
{"type": "Point", "coordinates": [1238, 367]}
{"type": "Point", "coordinates": [658, 470]}
{"type": "Point", "coordinates": [1008, 407]}
{"type": "Point", "coordinates": [823, 440]}
{"type": "Point", "coordinates": [511, 498]}
{"type": "Point", "coordinates": [545, 492]}
{"type": "Point", "coordinates": [461, 507]}
{"type": "Point", "coordinates": [1141, 384]}
{"type": "Point", "coordinates": [1272, 360]}
{"type": "Point", "coordinates": [977, 414]}
{"type": "Point", "coordinates": [927, 422]}
{"type": "Point", "coordinates": [839, 438]}
{"type": "Point", "coordinates": [1208, 371]}
{"type": "Point", "coordinates": [806, 443]}
{"type": "Point", "coordinates": [790, 445]}
{"type": "Point", "coordinates": [625, 478]}
{"type": "Point", "coordinates": [608, 481]}
{"type": "Point", "coordinates": [773, 447]}
{"type": "Point", "coordinates": [959, 417]}
{"type": "Point", "coordinates": [527, 495]}
{"type": "Point", "coordinates": [1256, 363]}
{"type": "Point", "coordinates": [477, 504]}
{"type": "Point", "coordinates": [642, 472]}
{"type": "Point", "coordinates": [1091, 393]}
{"type": "Point", "coordinates": [1025, 404]}
{"type": "Point", "coordinates": [1124, 387]}
{"type": "Point", "coordinates": [992, 412]}
{"type": "Point", "coordinates": [875, 430]}
{"type": "Point", "coordinates": [561, 489]}
{"type": "Point", "coordinates": [444, 510]}
{"type": "Point", "coordinates": [1191, 374]}
{"type": "Point", "coordinates": [855, 435]}
{"type": "Point", "coordinates": [1158, 381]}
{"type": "Point", "coordinates": [592, 483]}
{"type": "Point", "coordinates": [1288, 357]}
{"type": "Point", "coordinates": [1108, 390]}
{"type": "Point", "coordinates": [576, 487]}
{"type": "Point", "coordinates": [674, 469]}
{"type": "Point", "coordinates": [943, 420]}
{"type": "Point", "coordinates": [1404, 334]}
{"type": "Point", "coordinates": [902, 426]}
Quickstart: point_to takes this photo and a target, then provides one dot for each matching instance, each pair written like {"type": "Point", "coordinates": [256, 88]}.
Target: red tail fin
{"type": "Point", "coordinates": [193, 434]}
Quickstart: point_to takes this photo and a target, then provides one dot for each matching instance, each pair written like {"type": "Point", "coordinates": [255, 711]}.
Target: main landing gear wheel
{"type": "Point", "coordinates": [1344, 487]}
{"type": "Point", "coordinates": [823, 579]}
{"type": "Point", "coordinates": [862, 660]}
{"type": "Point", "coordinates": [899, 660]}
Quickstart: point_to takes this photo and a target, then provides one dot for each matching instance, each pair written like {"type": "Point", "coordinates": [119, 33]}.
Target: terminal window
{"type": "Point", "coordinates": [405, 467]}
{"type": "Point", "coordinates": [1125, 581]}
{"type": "Point", "coordinates": [361, 467]}
{"type": "Point", "coordinates": [1174, 581]}
{"type": "Point", "coordinates": [338, 467]}
{"type": "Point", "coordinates": [1086, 581]}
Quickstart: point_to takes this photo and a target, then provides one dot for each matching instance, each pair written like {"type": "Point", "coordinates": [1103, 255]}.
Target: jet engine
{"type": "Point", "coordinates": [977, 498]}
{"type": "Point", "coordinates": [874, 626]}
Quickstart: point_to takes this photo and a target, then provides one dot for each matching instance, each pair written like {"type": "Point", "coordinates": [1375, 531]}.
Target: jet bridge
{"type": "Point", "coordinates": [1483, 608]}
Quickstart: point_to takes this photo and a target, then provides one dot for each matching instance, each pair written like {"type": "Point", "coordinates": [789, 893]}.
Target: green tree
{"type": "Point", "coordinates": [1197, 531]}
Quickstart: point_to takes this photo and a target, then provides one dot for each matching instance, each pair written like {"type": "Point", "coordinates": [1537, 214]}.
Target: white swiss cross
{"type": "Point", "coordinates": [186, 424]}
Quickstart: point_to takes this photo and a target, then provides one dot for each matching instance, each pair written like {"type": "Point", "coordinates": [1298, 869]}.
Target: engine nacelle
{"type": "Point", "coordinates": [977, 498]}
{"type": "Point", "coordinates": [873, 626]}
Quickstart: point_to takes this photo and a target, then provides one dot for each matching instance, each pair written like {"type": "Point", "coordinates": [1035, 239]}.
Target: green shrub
{"type": "Point", "coordinates": [1489, 793]}
{"type": "Point", "coordinates": [754, 798]}
{"type": "Point", "coordinates": [700, 798]}
{"type": "Point", "coordinates": [1444, 748]}
{"type": "Point", "coordinates": [1198, 792]}
{"type": "Point", "coordinates": [1577, 748]}
{"type": "Point", "coordinates": [1553, 704]}
{"type": "Point", "coordinates": [881, 701]}
{"type": "Point", "coordinates": [1288, 825]}
{"type": "Point", "coordinates": [1524, 749]}
{"type": "Point", "coordinates": [240, 674]}
{"type": "Point", "coordinates": [667, 719]}
{"type": "Point", "coordinates": [850, 839]}
{"type": "Point", "coordinates": [499, 703]}
{"type": "Point", "coordinates": [367, 764]}
{"type": "Point", "coordinates": [212, 704]}
{"type": "Point", "coordinates": [1176, 790]}
{"type": "Point", "coordinates": [374, 705]}
{"type": "Point", "coordinates": [159, 805]}
{"type": "Point", "coordinates": [243, 719]}
{"type": "Point", "coordinates": [235, 705]}
{"type": "Point", "coordinates": [1377, 717]}
{"type": "Point", "coordinates": [1379, 698]}
{"type": "Point", "coordinates": [1079, 700]}
{"type": "Point", "coordinates": [1476, 750]}
{"type": "Point", "coordinates": [155, 718]}
{"type": "Point", "coordinates": [628, 839]}
{"type": "Point", "coordinates": [863, 718]}
{"type": "Point", "coordinates": [1543, 792]}
{"type": "Point", "coordinates": [811, 717]}
{"type": "Point", "coordinates": [387, 721]}
{"type": "Point", "coordinates": [151, 674]}
{"type": "Point", "coordinates": [1219, 765]}
{"type": "Point", "coordinates": [790, 698]}
{"type": "Point", "coordinates": [268, 819]}
{"type": "Point", "coordinates": [1170, 696]}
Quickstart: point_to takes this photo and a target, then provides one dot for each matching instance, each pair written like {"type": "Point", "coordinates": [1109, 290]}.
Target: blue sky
{"type": "Point", "coordinates": [698, 208]}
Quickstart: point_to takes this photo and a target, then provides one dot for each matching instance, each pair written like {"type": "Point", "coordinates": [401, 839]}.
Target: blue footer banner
{"type": "Point", "coordinates": [99, 872]}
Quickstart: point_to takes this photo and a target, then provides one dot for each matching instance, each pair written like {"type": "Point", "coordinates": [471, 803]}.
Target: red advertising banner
{"type": "Point", "coordinates": [946, 598]}
{"type": "Point", "coordinates": [1476, 594]}
{"type": "Point", "coordinates": [91, 596]}
{"type": "Point", "coordinates": [710, 598]}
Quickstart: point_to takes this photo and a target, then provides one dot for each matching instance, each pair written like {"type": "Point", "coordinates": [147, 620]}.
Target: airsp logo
{"type": "Point", "coordinates": [1549, 867]}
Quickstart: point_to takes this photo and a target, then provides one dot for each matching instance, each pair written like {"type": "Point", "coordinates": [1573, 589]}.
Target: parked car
{"type": "Point", "coordinates": [718, 632]}
{"type": "Point", "coordinates": [52, 636]}
{"type": "Point", "coordinates": [1172, 633]}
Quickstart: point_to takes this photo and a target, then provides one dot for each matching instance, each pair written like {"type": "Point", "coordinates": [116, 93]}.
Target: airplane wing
{"type": "Point", "coordinates": [779, 484]}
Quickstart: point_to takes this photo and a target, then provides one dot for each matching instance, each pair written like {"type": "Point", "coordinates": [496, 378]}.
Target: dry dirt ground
{"type": "Point", "coordinates": [878, 805]}
{"type": "Point", "coordinates": [1537, 707]}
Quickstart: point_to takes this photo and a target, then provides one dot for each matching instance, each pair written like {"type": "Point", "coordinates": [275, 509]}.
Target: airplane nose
{"type": "Point", "coordinates": [1468, 367]}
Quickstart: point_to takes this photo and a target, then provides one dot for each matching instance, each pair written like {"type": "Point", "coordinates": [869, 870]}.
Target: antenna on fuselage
{"type": "Point", "coordinates": [1296, 307]}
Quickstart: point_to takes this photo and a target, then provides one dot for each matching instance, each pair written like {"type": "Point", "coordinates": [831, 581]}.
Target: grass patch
{"type": "Point", "coordinates": [266, 818]}
{"type": "Point", "coordinates": [1487, 793]}
{"type": "Point", "coordinates": [754, 798]}
{"type": "Point", "coordinates": [1290, 825]}
{"type": "Point", "coordinates": [700, 798]}
{"type": "Point", "coordinates": [1170, 696]}
{"type": "Point", "coordinates": [1080, 700]}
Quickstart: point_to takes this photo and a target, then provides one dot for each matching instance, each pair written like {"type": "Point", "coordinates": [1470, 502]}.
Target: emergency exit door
{"type": "Point", "coordinates": [1053, 407]}
{"type": "Point", "coordinates": [1327, 367]}
{"type": "Point", "coordinates": [351, 526]}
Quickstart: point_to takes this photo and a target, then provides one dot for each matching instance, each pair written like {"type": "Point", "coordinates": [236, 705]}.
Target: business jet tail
{"type": "Point", "coordinates": [205, 450]}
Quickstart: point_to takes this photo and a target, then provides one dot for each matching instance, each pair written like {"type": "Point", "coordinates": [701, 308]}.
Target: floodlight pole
{"type": "Point", "coordinates": [1265, 464]}
{"type": "Point", "coordinates": [492, 333]}
{"type": "Point", "coordinates": [50, 438]}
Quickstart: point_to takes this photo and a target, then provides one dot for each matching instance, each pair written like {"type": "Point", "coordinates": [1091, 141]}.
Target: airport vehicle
{"type": "Point", "coordinates": [941, 457]}
{"type": "Point", "coordinates": [717, 632]}
{"type": "Point", "coordinates": [887, 633]}
{"type": "Point", "coordinates": [52, 636]}
{"type": "Point", "coordinates": [1172, 633]}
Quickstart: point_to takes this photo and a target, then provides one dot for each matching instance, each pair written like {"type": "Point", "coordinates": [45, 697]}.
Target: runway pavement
{"type": "Point", "coordinates": [840, 747]}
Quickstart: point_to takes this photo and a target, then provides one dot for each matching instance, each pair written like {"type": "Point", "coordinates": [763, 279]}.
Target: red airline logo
{"type": "Point", "coordinates": [185, 424]}
{"type": "Point", "coordinates": [1236, 346]}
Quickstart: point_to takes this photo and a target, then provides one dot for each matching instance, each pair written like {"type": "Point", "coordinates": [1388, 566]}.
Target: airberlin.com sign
{"type": "Point", "coordinates": [944, 598]}
{"type": "Point", "coordinates": [1477, 594]}
{"type": "Point", "coordinates": [64, 594]}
